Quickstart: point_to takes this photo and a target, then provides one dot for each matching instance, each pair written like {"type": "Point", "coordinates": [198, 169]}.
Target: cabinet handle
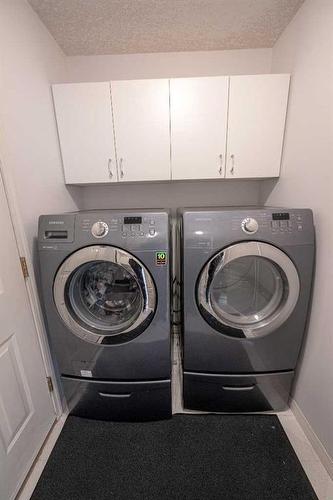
{"type": "Point", "coordinates": [110, 168]}
{"type": "Point", "coordinates": [221, 164]}
{"type": "Point", "coordinates": [232, 170]}
{"type": "Point", "coordinates": [121, 168]}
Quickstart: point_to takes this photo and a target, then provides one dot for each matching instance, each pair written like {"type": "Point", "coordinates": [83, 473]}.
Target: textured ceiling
{"type": "Point", "coordinates": [86, 27]}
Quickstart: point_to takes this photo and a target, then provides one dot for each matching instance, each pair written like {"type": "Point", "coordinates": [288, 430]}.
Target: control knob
{"type": "Point", "coordinates": [250, 225]}
{"type": "Point", "coordinates": [99, 229]}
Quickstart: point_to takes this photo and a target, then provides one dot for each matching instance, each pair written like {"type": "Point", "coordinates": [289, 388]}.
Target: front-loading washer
{"type": "Point", "coordinates": [246, 284]}
{"type": "Point", "coordinates": [105, 286]}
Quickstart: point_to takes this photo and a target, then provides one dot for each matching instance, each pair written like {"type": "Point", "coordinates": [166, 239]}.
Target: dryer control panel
{"type": "Point", "coordinates": [216, 228]}
{"type": "Point", "coordinates": [275, 222]}
{"type": "Point", "coordinates": [286, 222]}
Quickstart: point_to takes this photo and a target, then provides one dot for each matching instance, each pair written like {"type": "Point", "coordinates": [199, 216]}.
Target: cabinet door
{"type": "Point", "coordinates": [85, 127]}
{"type": "Point", "coordinates": [142, 129]}
{"type": "Point", "coordinates": [257, 113]}
{"type": "Point", "coordinates": [199, 108]}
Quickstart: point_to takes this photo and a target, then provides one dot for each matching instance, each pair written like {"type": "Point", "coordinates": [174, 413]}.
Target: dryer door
{"type": "Point", "coordinates": [104, 295]}
{"type": "Point", "coordinates": [248, 289]}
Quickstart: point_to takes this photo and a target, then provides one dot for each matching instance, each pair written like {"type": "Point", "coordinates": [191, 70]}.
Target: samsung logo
{"type": "Point", "coordinates": [56, 222]}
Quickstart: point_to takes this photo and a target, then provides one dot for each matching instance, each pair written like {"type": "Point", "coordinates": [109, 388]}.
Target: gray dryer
{"type": "Point", "coordinates": [246, 284]}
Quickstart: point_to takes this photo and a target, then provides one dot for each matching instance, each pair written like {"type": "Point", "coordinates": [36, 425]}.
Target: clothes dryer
{"type": "Point", "coordinates": [246, 283]}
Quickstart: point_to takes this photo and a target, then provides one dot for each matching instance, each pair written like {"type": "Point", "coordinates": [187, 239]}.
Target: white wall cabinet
{"type": "Point", "coordinates": [142, 129]}
{"type": "Point", "coordinates": [198, 111]}
{"type": "Point", "coordinates": [84, 118]}
{"type": "Point", "coordinates": [256, 122]}
{"type": "Point", "coordinates": [221, 127]}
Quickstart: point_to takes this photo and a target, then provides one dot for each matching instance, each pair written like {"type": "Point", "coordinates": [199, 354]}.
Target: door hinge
{"type": "Point", "coordinates": [49, 384]}
{"type": "Point", "coordinates": [24, 267]}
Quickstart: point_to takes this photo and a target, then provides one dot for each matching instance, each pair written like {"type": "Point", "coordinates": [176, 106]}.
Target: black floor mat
{"type": "Point", "coordinates": [197, 457]}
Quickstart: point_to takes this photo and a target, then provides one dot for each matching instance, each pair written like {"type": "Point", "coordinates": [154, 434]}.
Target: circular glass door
{"type": "Point", "coordinates": [248, 289]}
{"type": "Point", "coordinates": [104, 294]}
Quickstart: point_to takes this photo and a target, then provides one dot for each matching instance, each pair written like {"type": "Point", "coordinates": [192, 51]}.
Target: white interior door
{"type": "Point", "coordinates": [85, 127]}
{"type": "Point", "coordinates": [142, 129]}
{"type": "Point", "coordinates": [26, 409]}
{"type": "Point", "coordinates": [199, 108]}
{"type": "Point", "coordinates": [257, 114]}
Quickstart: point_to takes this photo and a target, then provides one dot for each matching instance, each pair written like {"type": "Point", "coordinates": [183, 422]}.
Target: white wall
{"type": "Point", "coordinates": [167, 65]}
{"type": "Point", "coordinates": [29, 60]}
{"type": "Point", "coordinates": [306, 50]}
{"type": "Point", "coordinates": [182, 64]}
{"type": "Point", "coordinates": [171, 194]}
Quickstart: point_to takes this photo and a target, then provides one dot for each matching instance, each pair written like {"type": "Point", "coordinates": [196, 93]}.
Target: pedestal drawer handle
{"type": "Point", "coordinates": [108, 395]}
{"type": "Point", "coordinates": [238, 387]}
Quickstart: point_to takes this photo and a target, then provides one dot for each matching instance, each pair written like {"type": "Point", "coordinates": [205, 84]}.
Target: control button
{"type": "Point", "coordinates": [124, 234]}
{"type": "Point", "coordinates": [152, 232]}
{"type": "Point", "coordinates": [142, 233]}
{"type": "Point", "coordinates": [99, 229]}
{"type": "Point", "coordinates": [275, 224]}
{"type": "Point", "coordinates": [283, 223]}
{"type": "Point", "coordinates": [152, 223]}
{"type": "Point", "coordinates": [299, 227]}
{"type": "Point", "coordinates": [133, 234]}
{"type": "Point", "coordinates": [250, 225]}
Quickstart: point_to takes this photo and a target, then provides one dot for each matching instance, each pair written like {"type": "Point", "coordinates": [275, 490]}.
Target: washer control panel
{"type": "Point", "coordinates": [138, 227]}
{"type": "Point", "coordinates": [99, 229]}
{"type": "Point", "coordinates": [127, 226]}
{"type": "Point", "coordinates": [250, 225]}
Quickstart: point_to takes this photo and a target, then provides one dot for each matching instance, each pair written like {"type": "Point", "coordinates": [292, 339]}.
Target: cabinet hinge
{"type": "Point", "coordinates": [24, 267]}
{"type": "Point", "coordinates": [49, 384]}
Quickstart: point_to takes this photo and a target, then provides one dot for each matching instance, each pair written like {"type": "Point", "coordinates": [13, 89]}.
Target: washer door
{"type": "Point", "coordinates": [104, 294]}
{"type": "Point", "coordinates": [248, 289]}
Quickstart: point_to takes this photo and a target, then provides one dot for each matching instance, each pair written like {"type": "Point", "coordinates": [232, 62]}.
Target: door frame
{"type": "Point", "coordinates": [30, 283]}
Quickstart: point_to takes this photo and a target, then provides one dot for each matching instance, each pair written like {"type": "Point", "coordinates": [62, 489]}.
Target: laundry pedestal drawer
{"type": "Point", "coordinates": [118, 401]}
{"type": "Point", "coordinates": [237, 393]}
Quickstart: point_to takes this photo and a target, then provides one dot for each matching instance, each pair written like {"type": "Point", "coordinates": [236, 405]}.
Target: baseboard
{"type": "Point", "coordinates": [317, 445]}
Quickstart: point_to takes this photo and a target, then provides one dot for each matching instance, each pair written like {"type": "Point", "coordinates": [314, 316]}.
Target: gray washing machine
{"type": "Point", "coordinates": [105, 285]}
{"type": "Point", "coordinates": [246, 285]}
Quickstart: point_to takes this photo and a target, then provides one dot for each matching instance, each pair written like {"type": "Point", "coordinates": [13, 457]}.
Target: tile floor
{"type": "Point", "coordinates": [317, 474]}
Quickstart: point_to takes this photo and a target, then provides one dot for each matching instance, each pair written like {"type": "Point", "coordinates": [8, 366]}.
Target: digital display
{"type": "Point", "coordinates": [281, 216]}
{"type": "Point", "coordinates": [132, 220]}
